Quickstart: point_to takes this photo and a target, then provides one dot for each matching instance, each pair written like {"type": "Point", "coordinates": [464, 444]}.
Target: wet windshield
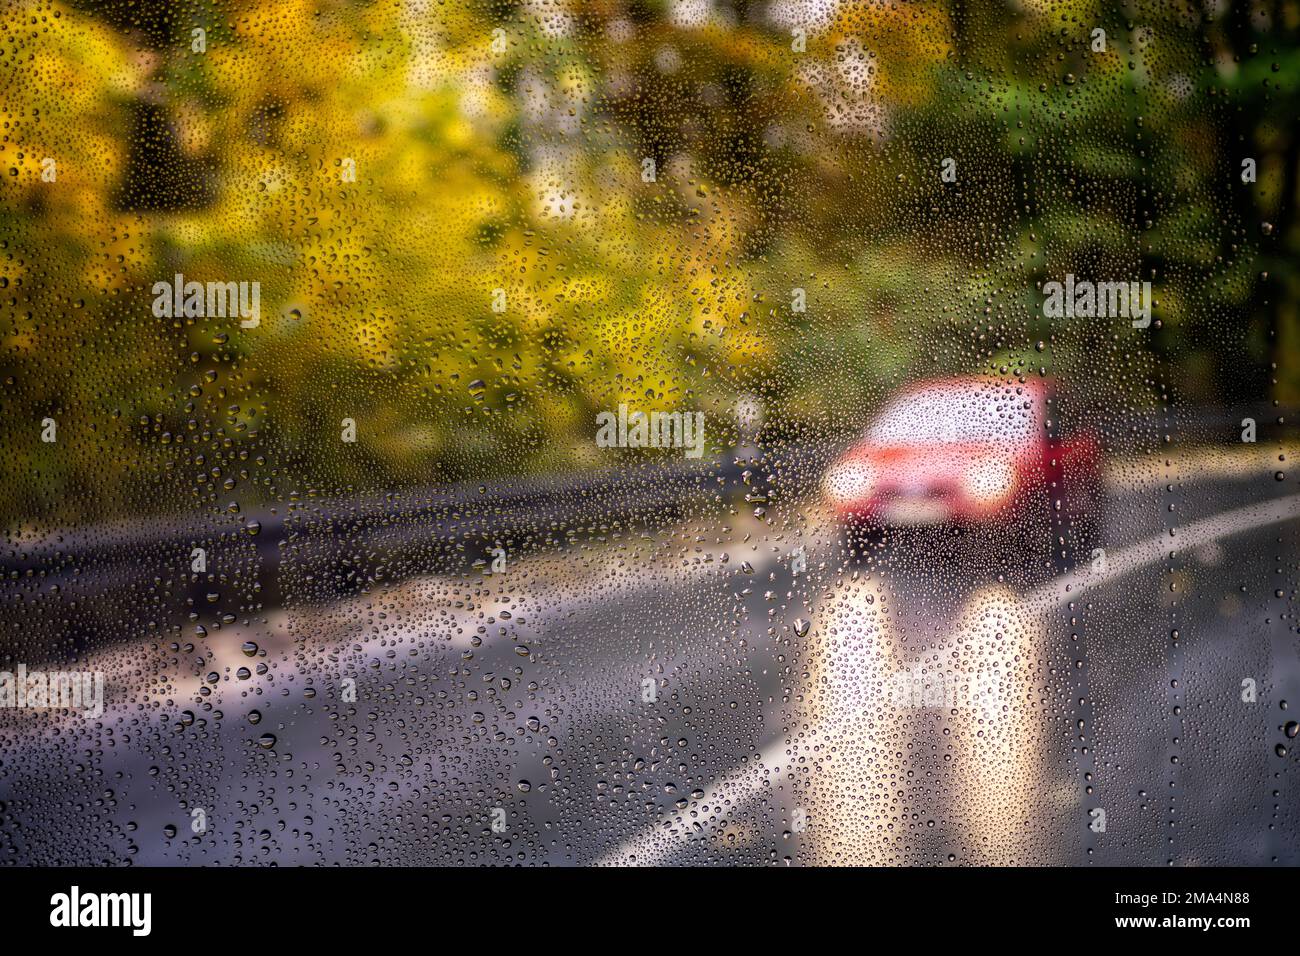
{"type": "Point", "coordinates": [456, 433]}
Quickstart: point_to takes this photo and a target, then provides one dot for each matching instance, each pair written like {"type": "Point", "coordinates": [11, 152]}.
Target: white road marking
{"type": "Point", "coordinates": [656, 843]}
{"type": "Point", "coordinates": [1066, 588]}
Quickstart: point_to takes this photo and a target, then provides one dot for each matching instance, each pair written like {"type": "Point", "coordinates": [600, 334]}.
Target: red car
{"type": "Point", "coordinates": [970, 452]}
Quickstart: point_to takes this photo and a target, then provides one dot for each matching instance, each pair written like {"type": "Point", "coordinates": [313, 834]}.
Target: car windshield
{"type": "Point", "coordinates": [553, 432]}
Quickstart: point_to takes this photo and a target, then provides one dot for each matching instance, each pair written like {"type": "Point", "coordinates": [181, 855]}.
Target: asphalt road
{"type": "Point", "coordinates": [684, 696]}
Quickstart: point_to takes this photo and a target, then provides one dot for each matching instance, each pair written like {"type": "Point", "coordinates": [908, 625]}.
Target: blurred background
{"type": "Point", "coordinates": [477, 226]}
{"type": "Point", "coordinates": [501, 146]}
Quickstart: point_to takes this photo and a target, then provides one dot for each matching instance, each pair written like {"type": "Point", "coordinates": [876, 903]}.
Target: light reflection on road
{"type": "Point", "coordinates": [910, 742]}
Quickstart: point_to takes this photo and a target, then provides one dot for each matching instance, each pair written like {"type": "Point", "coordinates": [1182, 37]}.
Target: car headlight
{"type": "Point", "coordinates": [849, 481]}
{"type": "Point", "coordinates": [989, 479]}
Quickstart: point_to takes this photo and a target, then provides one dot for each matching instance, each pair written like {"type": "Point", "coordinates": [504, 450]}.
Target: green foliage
{"type": "Point", "coordinates": [522, 170]}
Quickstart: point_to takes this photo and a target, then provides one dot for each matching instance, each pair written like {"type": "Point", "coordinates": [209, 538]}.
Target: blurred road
{"type": "Point", "coordinates": [722, 692]}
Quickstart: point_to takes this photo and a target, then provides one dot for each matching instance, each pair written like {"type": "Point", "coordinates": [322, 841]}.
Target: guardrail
{"type": "Point", "coordinates": [318, 547]}
{"type": "Point", "coordinates": [137, 577]}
